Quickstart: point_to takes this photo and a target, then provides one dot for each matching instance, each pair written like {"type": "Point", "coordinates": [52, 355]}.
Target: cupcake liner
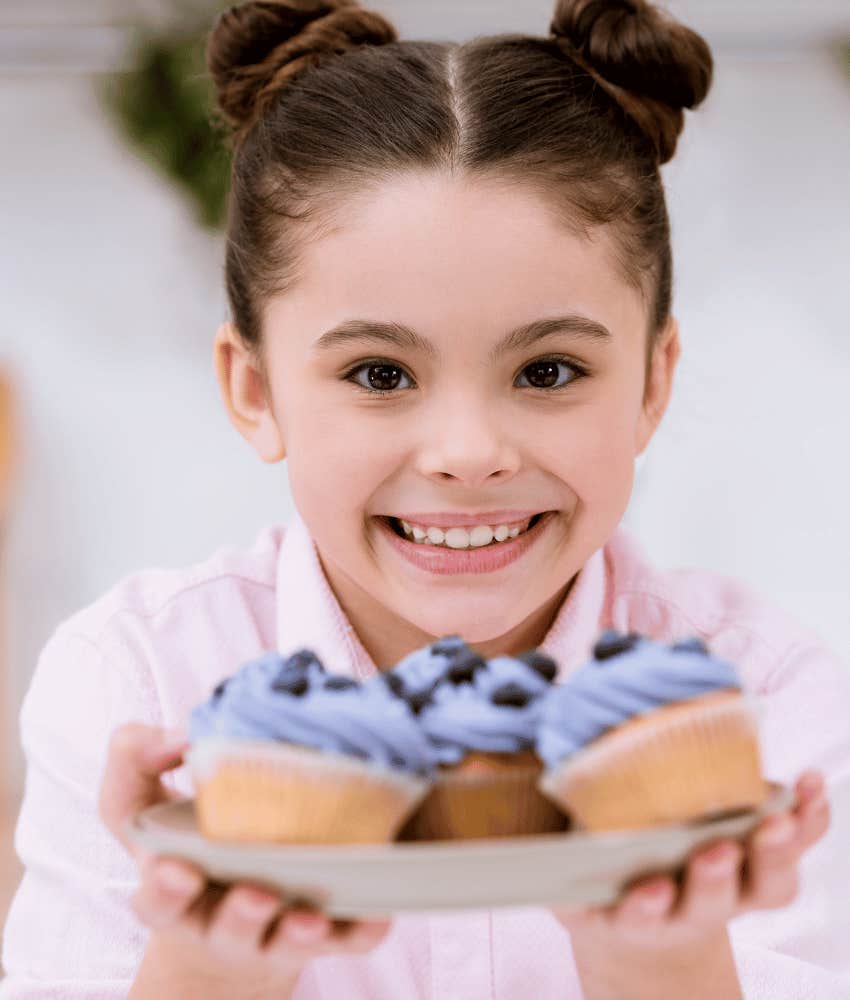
{"type": "Point", "coordinates": [685, 761]}
{"type": "Point", "coordinates": [264, 791]}
{"type": "Point", "coordinates": [486, 795]}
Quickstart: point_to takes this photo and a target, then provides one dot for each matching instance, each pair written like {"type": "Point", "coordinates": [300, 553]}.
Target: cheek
{"type": "Point", "coordinates": [591, 450]}
{"type": "Point", "coordinates": [338, 464]}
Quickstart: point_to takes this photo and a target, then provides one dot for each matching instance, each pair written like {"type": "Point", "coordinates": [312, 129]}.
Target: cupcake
{"type": "Point", "coordinates": [283, 751]}
{"type": "Point", "coordinates": [415, 677]}
{"type": "Point", "coordinates": [646, 733]}
{"type": "Point", "coordinates": [481, 718]}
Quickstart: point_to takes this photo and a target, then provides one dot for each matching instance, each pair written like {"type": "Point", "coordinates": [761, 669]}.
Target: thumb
{"type": "Point", "coordinates": [138, 754]}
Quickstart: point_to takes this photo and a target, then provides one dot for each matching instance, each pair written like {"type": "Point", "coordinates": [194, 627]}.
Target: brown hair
{"type": "Point", "coordinates": [324, 101]}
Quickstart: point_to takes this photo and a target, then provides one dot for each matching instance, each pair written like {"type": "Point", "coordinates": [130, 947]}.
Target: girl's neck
{"type": "Point", "coordinates": [387, 642]}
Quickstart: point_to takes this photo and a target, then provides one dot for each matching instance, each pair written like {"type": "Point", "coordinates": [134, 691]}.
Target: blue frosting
{"type": "Point", "coordinates": [497, 711]}
{"type": "Point", "coordinates": [295, 700]}
{"type": "Point", "coordinates": [420, 670]}
{"type": "Point", "coordinates": [628, 676]}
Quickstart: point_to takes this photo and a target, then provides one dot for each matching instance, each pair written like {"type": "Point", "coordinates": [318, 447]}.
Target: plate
{"type": "Point", "coordinates": [377, 880]}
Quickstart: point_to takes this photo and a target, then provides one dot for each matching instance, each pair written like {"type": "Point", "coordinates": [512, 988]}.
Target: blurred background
{"type": "Point", "coordinates": [115, 451]}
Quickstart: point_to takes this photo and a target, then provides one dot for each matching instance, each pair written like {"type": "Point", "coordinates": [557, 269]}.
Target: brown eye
{"type": "Point", "coordinates": [383, 377]}
{"type": "Point", "coordinates": [545, 374]}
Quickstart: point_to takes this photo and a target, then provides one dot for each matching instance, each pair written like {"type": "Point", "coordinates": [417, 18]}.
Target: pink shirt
{"type": "Point", "coordinates": [156, 644]}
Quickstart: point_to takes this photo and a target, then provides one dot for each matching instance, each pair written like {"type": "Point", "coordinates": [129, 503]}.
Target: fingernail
{"type": "Point", "coordinates": [720, 860]}
{"type": "Point", "coordinates": [655, 899]}
{"type": "Point", "coordinates": [305, 928]}
{"type": "Point", "coordinates": [174, 879]}
{"type": "Point", "coordinates": [256, 904]}
{"type": "Point", "coordinates": [776, 834]}
{"type": "Point", "coordinates": [811, 783]}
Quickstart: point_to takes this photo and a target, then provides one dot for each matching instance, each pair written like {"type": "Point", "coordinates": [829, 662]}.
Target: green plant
{"type": "Point", "coordinates": [164, 108]}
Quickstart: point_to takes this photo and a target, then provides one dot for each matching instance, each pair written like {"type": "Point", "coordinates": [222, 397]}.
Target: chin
{"type": "Point", "coordinates": [474, 624]}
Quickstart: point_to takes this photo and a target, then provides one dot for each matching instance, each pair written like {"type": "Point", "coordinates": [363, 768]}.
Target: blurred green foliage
{"type": "Point", "coordinates": [163, 106]}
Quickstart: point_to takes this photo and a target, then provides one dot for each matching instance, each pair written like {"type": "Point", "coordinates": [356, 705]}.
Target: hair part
{"type": "Point", "coordinates": [326, 103]}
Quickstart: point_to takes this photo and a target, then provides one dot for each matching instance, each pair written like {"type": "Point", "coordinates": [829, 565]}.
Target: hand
{"type": "Point", "coordinates": [658, 919]}
{"type": "Point", "coordinates": [209, 929]}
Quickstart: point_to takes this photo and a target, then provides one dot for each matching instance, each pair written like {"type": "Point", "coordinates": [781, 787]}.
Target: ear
{"type": "Point", "coordinates": [659, 383]}
{"type": "Point", "coordinates": [246, 398]}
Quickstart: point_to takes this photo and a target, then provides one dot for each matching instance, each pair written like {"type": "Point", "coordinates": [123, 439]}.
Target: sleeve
{"type": "Point", "coordinates": [803, 950]}
{"type": "Point", "coordinates": [70, 931]}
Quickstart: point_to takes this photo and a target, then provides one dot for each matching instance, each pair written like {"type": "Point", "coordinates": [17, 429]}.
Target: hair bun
{"type": "Point", "coordinates": [257, 48]}
{"type": "Point", "coordinates": [653, 65]}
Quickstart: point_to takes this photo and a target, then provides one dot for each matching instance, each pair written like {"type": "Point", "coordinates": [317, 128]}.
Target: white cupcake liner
{"type": "Point", "coordinates": [263, 791]}
{"type": "Point", "coordinates": [685, 761]}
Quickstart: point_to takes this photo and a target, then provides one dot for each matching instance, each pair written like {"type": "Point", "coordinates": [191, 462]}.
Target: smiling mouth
{"type": "Point", "coordinates": [398, 530]}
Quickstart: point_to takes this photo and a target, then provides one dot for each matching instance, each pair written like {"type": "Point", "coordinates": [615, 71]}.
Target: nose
{"type": "Point", "coordinates": [464, 440]}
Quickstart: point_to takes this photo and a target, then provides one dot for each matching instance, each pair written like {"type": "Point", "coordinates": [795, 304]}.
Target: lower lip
{"type": "Point", "coordinates": [487, 559]}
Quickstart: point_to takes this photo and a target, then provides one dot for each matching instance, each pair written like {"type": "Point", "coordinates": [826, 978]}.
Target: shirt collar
{"type": "Point", "coordinates": [309, 615]}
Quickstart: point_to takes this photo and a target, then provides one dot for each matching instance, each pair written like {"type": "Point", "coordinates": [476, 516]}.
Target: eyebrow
{"type": "Point", "coordinates": [398, 335]}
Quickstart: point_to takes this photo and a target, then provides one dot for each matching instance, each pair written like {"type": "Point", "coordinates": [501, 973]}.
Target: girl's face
{"type": "Point", "coordinates": [434, 273]}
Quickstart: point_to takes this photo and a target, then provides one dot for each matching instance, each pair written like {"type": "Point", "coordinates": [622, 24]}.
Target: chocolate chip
{"type": "Point", "coordinates": [511, 694]}
{"type": "Point", "coordinates": [446, 646]}
{"type": "Point", "coordinates": [340, 683]}
{"type": "Point", "coordinates": [691, 645]}
{"type": "Point", "coordinates": [292, 684]}
{"type": "Point", "coordinates": [419, 700]}
{"type": "Point", "coordinates": [543, 664]}
{"type": "Point", "coordinates": [463, 667]}
{"type": "Point", "coordinates": [612, 643]}
{"type": "Point", "coordinates": [218, 690]}
{"type": "Point", "coordinates": [302, 660]}
{"type": "Point", "coordinates": [394, 683]}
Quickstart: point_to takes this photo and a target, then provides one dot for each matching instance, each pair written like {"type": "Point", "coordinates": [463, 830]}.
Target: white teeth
{"type": "Point", "coordinates": [481, 534]}
{"type": "Point", "coordinates": [457, 538]}
{"type": "Point", "coordinates": [463, 538]}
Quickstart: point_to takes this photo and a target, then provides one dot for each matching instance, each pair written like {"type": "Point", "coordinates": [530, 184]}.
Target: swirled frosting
{"type": "Point", "coordinates": [415, 677]}
{"type": "Point", "coordinates": [628, 675]}
{"type": "Point", "coordinates": [295, 700]}
{"type": "Point", "coordinates": [491, 706]}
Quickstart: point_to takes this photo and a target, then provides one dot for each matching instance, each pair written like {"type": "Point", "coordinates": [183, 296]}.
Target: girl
{"type": "Point", "coordinates": [450, 278]}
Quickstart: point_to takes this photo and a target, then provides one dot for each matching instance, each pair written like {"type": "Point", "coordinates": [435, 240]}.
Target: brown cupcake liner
{"type": "Point", "coordinates": [686, 761]}
{"type": "Point", "coordinates": [486, 795]}
{"type": "Point", "coordinates": [278, 792]}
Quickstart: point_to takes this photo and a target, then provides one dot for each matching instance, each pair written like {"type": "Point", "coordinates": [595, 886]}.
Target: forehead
{"type": "Point", "coordinates": [450, 253]}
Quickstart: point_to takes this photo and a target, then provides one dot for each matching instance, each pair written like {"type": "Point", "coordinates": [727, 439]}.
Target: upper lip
{"type": "Point", "coordinates": [447, 519]}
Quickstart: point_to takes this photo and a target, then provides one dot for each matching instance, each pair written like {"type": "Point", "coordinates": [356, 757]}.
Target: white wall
{"type": "Point", "coordinates": [749, 473]}
{"type": "Point", "coordinates": [111, 297]}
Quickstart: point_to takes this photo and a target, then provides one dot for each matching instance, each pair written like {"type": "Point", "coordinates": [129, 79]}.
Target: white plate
{"type": "Point", "coordinates": [381, 879]}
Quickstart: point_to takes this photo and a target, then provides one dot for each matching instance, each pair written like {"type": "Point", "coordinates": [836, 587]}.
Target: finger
{"type": "Point", "coordinates": [645, 906]}
{"type": "Point", "coordinates": [241, 919]}
{"type": "Point", "coordinates": [809, 785]}
{"type": "Point", "coordinates": [167, 890]}
{"type": "Point", "coordinates": [772, 878]}
{"type": "Point", "coordinates": [812, 809]}
{"type": "Point", "coordinates": [138, 754]}
{"type": "Point", "coordinates": [300, 934]}
{"type": "Point", "coordinates": [711, 894]}
{"type": "Point", "coordinates": [814, 822]}
{"type": "Point", "coordinates": [361, 936]}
